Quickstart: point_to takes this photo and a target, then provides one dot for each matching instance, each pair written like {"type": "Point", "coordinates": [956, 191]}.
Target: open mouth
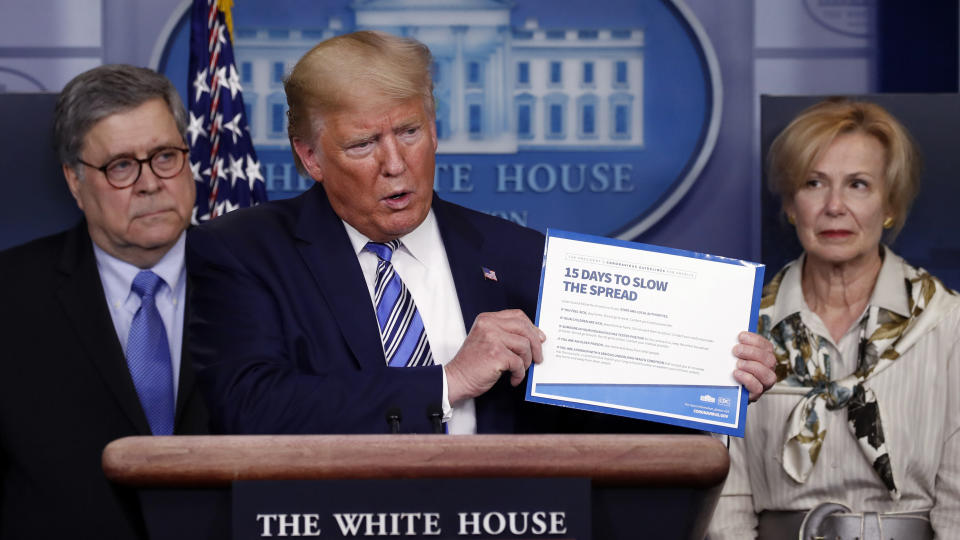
{"type": "Point", "coordinates": [398, 201]}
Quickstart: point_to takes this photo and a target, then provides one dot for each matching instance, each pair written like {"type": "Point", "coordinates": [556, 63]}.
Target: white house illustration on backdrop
{"type": "Point", "coordinates": [499, 88]}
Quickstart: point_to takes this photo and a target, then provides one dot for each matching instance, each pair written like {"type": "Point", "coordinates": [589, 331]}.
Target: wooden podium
{"type": "Point", "coordinates": [643, 486]}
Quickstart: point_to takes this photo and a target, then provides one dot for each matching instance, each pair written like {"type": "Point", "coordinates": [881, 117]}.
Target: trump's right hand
{"type": "Point", "coordinates": [498, 341]}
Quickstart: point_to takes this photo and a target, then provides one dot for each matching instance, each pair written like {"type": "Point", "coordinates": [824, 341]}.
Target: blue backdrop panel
{"type": "Point", "coordinates": [35, 201]}
{"type": "Point", "coordinates": [553, 115]}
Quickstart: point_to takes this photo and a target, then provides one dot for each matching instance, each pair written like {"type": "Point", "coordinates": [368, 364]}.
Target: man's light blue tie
{"type": "Point", "coordinates": [401, 329]}
{"type": "Point", "coordinates": [148, 356]}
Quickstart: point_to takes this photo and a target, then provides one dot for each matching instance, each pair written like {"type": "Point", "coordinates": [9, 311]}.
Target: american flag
{"type": "Point", "coordinates": [222, 158]}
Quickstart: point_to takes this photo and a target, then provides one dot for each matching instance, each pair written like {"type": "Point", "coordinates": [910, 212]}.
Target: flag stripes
{"type": "Point", "coordinates": [217, 95]}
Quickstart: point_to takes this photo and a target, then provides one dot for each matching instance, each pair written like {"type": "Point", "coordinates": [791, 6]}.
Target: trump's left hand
{"type": "Point", "coordinates": [755, 367]}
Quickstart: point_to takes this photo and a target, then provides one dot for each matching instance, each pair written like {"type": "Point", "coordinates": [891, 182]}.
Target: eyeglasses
{"type": "Point", "coordinates": [123, 172]}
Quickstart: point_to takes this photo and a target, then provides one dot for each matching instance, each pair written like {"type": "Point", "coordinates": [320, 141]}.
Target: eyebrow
{"type": "Point", "coordinates": [411, 123]}
{"type": "Point", "coordinates": [373, 137]}
{"type": "Point", "coordinates": [815, 172]}
{"type": "Point", "coordinates": [133, 155]}
{"type": "Point", "coordinates": [360, 140]}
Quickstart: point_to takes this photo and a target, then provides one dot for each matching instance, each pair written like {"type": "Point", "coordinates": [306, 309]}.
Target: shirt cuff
{"type": "Point", "coordinates": [725, 439]}
{"type": "Point", "coordinates": [445, 401]}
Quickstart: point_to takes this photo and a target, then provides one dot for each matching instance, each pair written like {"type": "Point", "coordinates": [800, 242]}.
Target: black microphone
{"type": "Point", "coordinates": [435, 414]}
{"type": "Point", "coordinates": [393, 418]}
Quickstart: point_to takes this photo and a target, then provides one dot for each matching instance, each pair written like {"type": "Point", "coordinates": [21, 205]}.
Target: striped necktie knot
{"type": "Point", "coordinates": [383, 251]}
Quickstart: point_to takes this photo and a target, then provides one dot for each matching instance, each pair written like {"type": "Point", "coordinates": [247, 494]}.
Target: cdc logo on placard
{"type": "Point", "coordinates": [594, 117]}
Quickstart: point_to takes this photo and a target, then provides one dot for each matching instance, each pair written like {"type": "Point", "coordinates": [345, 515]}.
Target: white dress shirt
{"type": "Point", "coordinates": [421, 262]}
{"type": "Point", "coordinates": [117, 278]}
{"type": "Point", "coordinates": [919, 398]}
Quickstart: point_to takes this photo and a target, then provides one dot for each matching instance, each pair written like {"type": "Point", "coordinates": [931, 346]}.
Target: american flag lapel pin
{"type": "Point", "coordinates": [489, 274]}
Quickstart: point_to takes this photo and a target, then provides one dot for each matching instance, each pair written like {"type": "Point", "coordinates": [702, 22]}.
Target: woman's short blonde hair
{"type": "Point", "coordinates": [328, 77]}
{"type": "Point", "coordinates": [798, 147]}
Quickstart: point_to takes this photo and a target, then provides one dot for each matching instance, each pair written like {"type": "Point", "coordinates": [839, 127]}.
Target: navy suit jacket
{"type": "Point", "coordinates": [65, 392]}
{"type": "Point", "coordinates": [284, 336]}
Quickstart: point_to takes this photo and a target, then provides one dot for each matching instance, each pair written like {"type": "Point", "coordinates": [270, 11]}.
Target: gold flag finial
{"type": "Point", "coordinates": [226, 6]}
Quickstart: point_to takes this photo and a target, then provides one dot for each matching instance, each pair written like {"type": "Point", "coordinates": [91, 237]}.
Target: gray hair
{"type": "Point", "coordinates": [96, 94]}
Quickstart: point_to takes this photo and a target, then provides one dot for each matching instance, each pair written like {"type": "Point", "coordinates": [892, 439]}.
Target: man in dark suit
{"type": "Point", "coordinates": [296, 329]}
{"type": "Point", "coordinates": [93, 317]}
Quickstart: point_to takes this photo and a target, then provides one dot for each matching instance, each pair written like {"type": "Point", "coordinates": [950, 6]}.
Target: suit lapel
{"type": "Point", "coordinates": [464, 245]}
{"type": "Point", "coordinates": [327, 252]}
{"type": "Point", "coordinates": [81, 295]}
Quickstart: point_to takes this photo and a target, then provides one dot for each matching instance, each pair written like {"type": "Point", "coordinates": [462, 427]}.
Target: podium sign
{"type": "Point", "coordinates": [434, 508]}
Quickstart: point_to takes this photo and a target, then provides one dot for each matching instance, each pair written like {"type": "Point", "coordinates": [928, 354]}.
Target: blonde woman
{"type": "Point", "coordinates": [861, 434]}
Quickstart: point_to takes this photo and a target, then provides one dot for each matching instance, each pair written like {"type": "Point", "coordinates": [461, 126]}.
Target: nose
{"type": "Point", "coordinates": [148, 181]}
{"type": "Point", "coordinates": [391, 159]}
{"type": "Point", "coordinates": [835, 204]}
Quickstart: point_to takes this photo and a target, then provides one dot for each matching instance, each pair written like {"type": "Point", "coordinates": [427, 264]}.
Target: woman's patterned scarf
{"type": "Point", "coordinates": [804, 366]}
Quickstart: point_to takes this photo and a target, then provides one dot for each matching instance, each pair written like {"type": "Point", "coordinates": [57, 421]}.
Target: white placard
{"type": "Point", "coordinates": [643, 331]}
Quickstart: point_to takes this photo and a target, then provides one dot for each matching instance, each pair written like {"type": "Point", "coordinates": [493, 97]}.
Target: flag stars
{"type": "Point", "coordinates": [236, 171]}
{"type": "Point", "coordinates": [195, 129]}
{"type": "Point", "coordinates": [222, 77]}
{"type": "Point", "coordinates": [225, 169]}
{"type": "Point", "coordinates": [253, 172]}
{"type": "Point", "coordinates": [200, 84]}
{"type": "Point", "coordinates": [234, 127]}
{"type": "Point", "coordinates": [233, 82]}
{"type": "Point", "coordinates": [195, 169]}
{"type": "Point", "coordinates": [224, 207]}
{"type": "Point", "coordinates": [197, 219]}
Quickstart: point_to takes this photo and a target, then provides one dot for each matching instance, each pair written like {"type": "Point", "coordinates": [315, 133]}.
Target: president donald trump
{"type": "Point", "coordinates": [368, 304]}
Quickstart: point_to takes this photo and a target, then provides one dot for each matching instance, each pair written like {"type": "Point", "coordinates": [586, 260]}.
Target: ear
{"type": "Point", "coordinates": [309, 157]}
{"type": "Point", "coordinates": [73, 182]}
{"type": "Point", "coordinates": [788, 207]}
